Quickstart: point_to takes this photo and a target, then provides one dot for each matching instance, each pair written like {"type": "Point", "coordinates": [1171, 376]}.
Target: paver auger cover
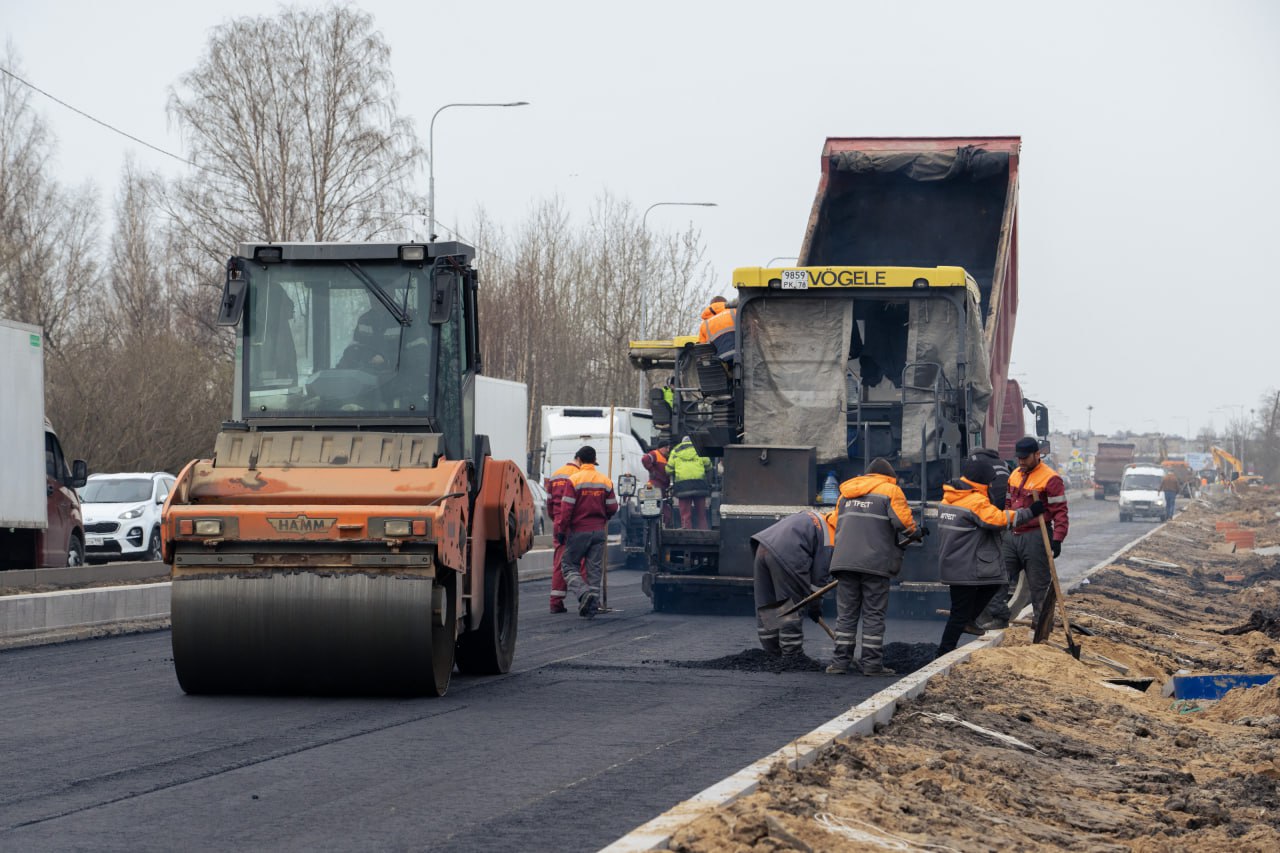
{"type": "Point", "coordinates": [350, 532]}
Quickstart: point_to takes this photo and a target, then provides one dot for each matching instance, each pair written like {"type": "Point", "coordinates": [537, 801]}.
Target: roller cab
{"type": "Point", "coordinates": [351, 533]}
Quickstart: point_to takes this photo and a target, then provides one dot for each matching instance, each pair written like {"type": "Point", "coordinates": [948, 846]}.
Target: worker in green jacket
{"type": "Point", "coordinates": [690, 484]}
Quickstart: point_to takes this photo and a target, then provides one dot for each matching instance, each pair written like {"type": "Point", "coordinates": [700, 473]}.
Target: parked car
{"type": "Point", "coordinates": [542, 523]}
{"type": "Point", "coordinates": [122, 515]}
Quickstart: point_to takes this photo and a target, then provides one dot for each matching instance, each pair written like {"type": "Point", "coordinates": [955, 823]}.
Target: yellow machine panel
{"type": "Point", "coordinates": [804, 278]}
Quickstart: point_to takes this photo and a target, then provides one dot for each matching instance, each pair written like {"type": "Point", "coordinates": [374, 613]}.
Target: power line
{"type": "Point", "coordinates": [99, 121]}
{"type": "Point", "coordinates": [181, 159]}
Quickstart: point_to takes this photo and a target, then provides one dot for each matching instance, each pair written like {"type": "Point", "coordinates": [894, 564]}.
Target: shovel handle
{"type": "Point", "coordinates": [827, 628]}
{"type": "Point", "coordinates": [811, 597]}
{"type": "Point", "coordinates": [1053, 574]}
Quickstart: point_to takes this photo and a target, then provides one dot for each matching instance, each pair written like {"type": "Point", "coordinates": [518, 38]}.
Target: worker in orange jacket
{"type": "Point", "coordinates": [655, 462]}
{"type": "Point", "coordinates": [582, 521]}
{"type": "Point", "coordinates": [1024, 550]}
{"type": "Point", "coordinates": [717, 329]}
{"type": "Point", "coordinates": [969, 553]}
{"type": "Point", "coordinates": [874, 525]}
{"type": "Point", "coordinates": [558, 485]}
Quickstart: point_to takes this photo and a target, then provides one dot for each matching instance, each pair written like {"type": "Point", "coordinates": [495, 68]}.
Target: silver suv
{"type": "Point", "coordinates": [122, 515]}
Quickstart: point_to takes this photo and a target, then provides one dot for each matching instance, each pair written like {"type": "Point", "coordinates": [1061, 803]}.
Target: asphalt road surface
{"type": "Point", "coordinates": [593, 733]}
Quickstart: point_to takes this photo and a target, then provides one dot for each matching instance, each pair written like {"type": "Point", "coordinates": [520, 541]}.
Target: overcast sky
{"type": "Point", "coordinates": [1148, 209]}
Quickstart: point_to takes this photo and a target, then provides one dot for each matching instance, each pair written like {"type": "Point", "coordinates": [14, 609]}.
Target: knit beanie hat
{"type": "Point", "coordinates": [978, 471]}
{"type": "Point", "coordinates": [881, 466]}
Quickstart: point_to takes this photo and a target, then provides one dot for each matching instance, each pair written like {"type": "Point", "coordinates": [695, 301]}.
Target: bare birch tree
{"type": "Point", "coordinates": [292, 119]}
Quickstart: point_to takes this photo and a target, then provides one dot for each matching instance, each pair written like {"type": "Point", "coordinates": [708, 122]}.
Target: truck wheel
{"type": "Point", "coordinates": [490, 648]}
{"type": "Point", "coordinates": [153, 551]}
{"type": "Point", "coordinates": [1123, 518]}
{"type": "Point", "coordinates": [75, 551]}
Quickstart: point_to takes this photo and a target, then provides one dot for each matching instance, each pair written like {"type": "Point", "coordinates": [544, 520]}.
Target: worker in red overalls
{"type": "Point", "coordinates": [655, 462]}
{"type": "Point", "coordinates": [558, 485]}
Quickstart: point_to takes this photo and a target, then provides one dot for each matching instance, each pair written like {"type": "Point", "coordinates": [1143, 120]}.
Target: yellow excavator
{"type": "Point", "coordinates": [1232, 468]}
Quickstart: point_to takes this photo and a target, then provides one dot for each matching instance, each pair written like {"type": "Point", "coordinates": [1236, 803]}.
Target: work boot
{"type": "Point", "coordinates": [587, 608]}
{"type": "Point", "coordinates": [557, 606]}
{"type": "Point", "coordinates": [973, 629]}
{"type": "Point", "coordinates": [838, 669]}
{"type": "Point", "coordinates": [994, 625]}
{"type": "Point", "coordinates": [877, 669]}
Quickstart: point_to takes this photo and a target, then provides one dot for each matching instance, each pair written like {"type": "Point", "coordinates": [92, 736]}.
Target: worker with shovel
{"type": "Point", "coordinates": [969, 558]}
{"type": "Point", "coordinates": [792, 562]}
{"type": "Point", "coordinates": [1024, 550]}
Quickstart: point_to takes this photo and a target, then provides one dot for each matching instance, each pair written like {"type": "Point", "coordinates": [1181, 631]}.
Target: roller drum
{"type": "Point", "coordinates": [313, 632]}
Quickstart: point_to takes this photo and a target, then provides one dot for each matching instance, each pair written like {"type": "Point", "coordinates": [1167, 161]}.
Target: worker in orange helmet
{"type": "Point", "coordinates": [717, 329]}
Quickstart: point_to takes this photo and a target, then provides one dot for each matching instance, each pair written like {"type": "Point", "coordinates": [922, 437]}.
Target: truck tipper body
{"type": "Point", "coordinates": [890, 339]}
{"type": "Point", "coordinates": [40, 519]}
{"type": "Point", "coordinates": [1108, 467]}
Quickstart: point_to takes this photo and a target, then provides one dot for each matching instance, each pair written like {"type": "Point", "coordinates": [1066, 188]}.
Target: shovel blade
{"type": "Point", "coordinates": [770, 616]}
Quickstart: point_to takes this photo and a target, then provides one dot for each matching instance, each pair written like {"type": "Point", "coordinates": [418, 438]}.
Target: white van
{"type": "Point", "coordinates": [1140, 494]}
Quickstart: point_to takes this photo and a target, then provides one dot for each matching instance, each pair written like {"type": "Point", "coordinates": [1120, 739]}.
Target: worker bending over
{"type": "Point", "coordinates": [969, 558]}
{"type": "Point", "coordinates": [584, 517]}
{"type": "Point", "coordinates": [874, 525]}
{"type": "Point", "coordinates": [792, 561]}
{"type": "Point", "coordinates": [1024, 550]}
{"type": "Point", "coordinates": [559, 485]}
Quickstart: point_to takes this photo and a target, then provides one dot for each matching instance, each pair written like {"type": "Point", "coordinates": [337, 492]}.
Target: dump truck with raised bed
{"type": "Point", "coordinates": [1109, 463]}
{"type": "Point", "coordinates": [350, 532]}
{"type": "Point", "coordinates": [891, 338]}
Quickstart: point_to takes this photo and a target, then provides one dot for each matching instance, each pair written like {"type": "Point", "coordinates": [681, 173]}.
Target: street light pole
{"type": "Point", "coordinates": [644, 272]}
{"type": "Point", "coordinates": [431, 160]}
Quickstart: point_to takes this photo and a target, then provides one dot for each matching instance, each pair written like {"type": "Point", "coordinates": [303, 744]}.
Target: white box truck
{"type": "Point", "coordinates": [40, 520]}
{"type": "Point", "coordinates": [502, 413]}
{"type": "Point", "coordinates": [567, 428]}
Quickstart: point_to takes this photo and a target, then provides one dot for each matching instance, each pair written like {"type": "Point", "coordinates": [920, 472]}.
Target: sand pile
{"type": "Point", "coordinates": [1025, 748]}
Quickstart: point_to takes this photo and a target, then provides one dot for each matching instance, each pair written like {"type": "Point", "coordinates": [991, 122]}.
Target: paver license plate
{"type": "Point", "coordinates": [795, 280]}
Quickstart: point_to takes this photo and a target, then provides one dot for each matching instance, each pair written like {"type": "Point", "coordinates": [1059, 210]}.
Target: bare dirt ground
{"type": "Point", "coordinates": [26, 590]}
{"type": "Point", "coordinates": [1068, 760]}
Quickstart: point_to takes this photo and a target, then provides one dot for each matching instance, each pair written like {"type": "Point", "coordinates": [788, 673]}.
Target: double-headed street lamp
{"type": "Point", "coordinates": [431, 160]}
{"type": "Point", "coordinates": [644, 270]}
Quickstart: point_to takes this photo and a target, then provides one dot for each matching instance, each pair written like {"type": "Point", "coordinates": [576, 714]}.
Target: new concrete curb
{"type": "Point", "coordinates": [861, 719]}
{"type": "Point", "coordinates": [53, 617]}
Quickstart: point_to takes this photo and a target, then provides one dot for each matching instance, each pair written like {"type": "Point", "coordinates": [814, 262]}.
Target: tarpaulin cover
{"type": "Point", "coordinates": [932, 337]}
{"type": "Point", "coordinates": [974, 163]}
{"type": "Point", "coordinates": [793, 367]}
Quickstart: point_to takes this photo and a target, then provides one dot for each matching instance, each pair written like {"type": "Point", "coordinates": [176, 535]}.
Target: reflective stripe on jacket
{"type": "Point", "coordinates": [1045, 481]}
{"type": "Point", "coordinates": [801, 544]}
{"type": "Point", "coordinates": [872, 512]}
{"type": "Point", "coordinates": [969, 528]}
{"type": "Point", "coordinates": [590, 505]}
{"type": "Point", "coordinates": [685, 464]}
{"type": "Point", "coordinates": [717, 327]}
{"type": "Point", "coordinates": [558, 485]}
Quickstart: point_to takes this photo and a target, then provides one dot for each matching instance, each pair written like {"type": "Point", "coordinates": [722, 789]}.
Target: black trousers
{"type": "Point", "coordinates": [966, 603]}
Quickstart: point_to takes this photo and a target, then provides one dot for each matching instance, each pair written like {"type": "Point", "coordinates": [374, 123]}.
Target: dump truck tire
{"type": "Point", "coordinates": [490, 648]}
